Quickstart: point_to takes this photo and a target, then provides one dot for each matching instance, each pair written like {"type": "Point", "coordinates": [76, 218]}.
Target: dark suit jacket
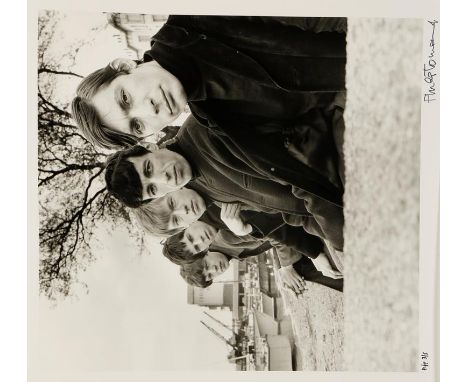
{"type": "Point", "coordinates": [226, 178]}
{"type": "Point", "coordinates": [268, 230]}
{"type": "Point", "coordinates": [224, 181]}
{"type": "Point", "coordinates": [251, 79]}
{"type": "Point", "coordinates": [306, 54]}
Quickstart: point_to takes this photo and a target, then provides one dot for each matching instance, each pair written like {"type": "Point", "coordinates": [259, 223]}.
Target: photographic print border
{"type": "Point", "coordinates": [429, 180]}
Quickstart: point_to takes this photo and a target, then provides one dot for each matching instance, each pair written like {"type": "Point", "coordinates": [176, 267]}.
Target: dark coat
{"type": "Point", "coordinates": [217, 178]}
{"type": "Point", "coordinates": [268, 229]}
{"type": "Point", "coordinates": [227, 178]}
{"type": "Point", "coordinates": [306, 269]}
{"type": "Point", "coordinates": [253, 79]}
{"type": "Point", "coordinates": [305, 54]}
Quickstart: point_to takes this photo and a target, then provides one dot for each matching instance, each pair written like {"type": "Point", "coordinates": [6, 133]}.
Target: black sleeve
{"type": "Point", "coordinates": [297, 239]}
{"type": "Point", "coordinates": [315, 24]}
{"type": "Point", "coordinates": [306, 269]}
{"type": "Point", "coordinates": [312, 24]}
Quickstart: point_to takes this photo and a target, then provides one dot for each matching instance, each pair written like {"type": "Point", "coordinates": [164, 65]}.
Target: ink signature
{"type": "Point", "coordinates": [430, 67]}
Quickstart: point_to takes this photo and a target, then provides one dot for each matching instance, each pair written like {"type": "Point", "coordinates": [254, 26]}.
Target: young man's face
{"type": "Point", "coordinates": [215, 263]}
{"type": "Point", "coordinates": [142, 101]}
{"type": "Point", "coordinates": [184, 207]}
{"type": "Point", "coordinates": [198, 236]}
{"type": "Point", "coordinates": [161, 171]}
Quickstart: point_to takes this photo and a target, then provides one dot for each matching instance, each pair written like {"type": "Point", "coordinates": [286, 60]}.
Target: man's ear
{"type": "Point", "coordinates": [123, 64]}
{"type": "Point", "coordinates": [149, 146]}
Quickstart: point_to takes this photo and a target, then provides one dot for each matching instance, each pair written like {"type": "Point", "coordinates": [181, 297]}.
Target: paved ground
{"type": "Point", "coordinates": [317, 322]}
{"type": "Point", "coordinates": [382, 194]}
{"type": "Point", "coordinates": [373, 326]}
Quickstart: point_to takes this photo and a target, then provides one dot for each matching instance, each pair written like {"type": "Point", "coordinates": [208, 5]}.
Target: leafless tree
{"type": "Point", "coordinates": [73, 201]}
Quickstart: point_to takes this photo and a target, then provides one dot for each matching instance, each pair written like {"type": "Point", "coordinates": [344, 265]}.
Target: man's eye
{"type": "Point", "coordinates": [171, 203]}
{"type": "Point", "coordinates": [197, 249]}
{"type": "Point", "coordinates": [125, 98]}
{"type": "Point", "coordinates": [190, 238]}
{"type": "Point", "coordinates": [148, 168]}
{"type": "Point", "coordinates": [175, 221]}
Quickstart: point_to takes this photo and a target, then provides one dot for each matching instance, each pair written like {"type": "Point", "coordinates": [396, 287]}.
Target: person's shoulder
{"type": "Point", "coordinates": [196, 129]}
{"type": "Point", "coordinates": [192, 123]}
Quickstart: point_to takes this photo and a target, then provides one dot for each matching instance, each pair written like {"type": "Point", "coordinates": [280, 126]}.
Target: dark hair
{"type": "Point", "coordinates": [176, 250]}
{"type": "Point", "coordinates": [193, 274]}
{"type": "Point", "coordinates": [86, 116]}
{"type": "Point", "coordinates": [122, 179]}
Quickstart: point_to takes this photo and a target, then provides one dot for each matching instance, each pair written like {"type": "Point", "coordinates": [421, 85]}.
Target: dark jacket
{"type": "Point", "coordinates": [244, 247]}
{"type": "Point", "coordinates": [306, 269]}
{"type": "Point", "coordinates": [268, 229]}
{"type": "Point", "coordinates": [226, 178]}
{"type": "Point", "coordinates": [216, 177]}
{"type": "Point", "coordinates": [277, 52]}
{"type": "Point", "coordinates": [252, 79]}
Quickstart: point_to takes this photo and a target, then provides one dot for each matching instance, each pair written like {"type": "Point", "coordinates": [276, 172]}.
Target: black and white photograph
{"type": "Point", "coordinates": [233, 192]}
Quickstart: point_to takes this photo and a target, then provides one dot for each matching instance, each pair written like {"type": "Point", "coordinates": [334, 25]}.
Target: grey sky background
{"type": "Point", "coordinates": [135, 315]}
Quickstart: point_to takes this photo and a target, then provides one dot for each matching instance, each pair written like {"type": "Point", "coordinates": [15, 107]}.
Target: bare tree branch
{"type": "Point", "coordinates": [72, 195]}
{"type": "Point", "coordinates": [59, 72]}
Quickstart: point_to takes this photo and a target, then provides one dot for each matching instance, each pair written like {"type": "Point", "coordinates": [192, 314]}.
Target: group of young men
{"type": "Point", "coordinates": [259, 162]}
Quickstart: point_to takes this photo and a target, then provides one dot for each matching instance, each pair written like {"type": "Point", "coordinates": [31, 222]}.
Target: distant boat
{"type": "Point", "coordinates": [257, 346]}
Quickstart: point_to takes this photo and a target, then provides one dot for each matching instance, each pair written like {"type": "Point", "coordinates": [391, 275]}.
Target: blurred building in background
{"type": "Point", "coordinates": [134, 31]}
{"type": "Point", "coordinates": [261, 335]}
{"type": "Point", "coordinates": [213, 297]}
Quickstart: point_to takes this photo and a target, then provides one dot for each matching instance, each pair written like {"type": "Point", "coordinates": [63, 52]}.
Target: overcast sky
{"type": "Point", "coordinates": [135, 316]}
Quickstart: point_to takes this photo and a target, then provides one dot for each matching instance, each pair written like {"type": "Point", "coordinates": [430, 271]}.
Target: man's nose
{"type": "Point", "coordinates": [143, 109]}
{"type": "Point", "coordinates": [181, 210]}
{"type": "Point", "coordinates": [154, 106]}
{"type": "Point", "coordinates": [162, 177]}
